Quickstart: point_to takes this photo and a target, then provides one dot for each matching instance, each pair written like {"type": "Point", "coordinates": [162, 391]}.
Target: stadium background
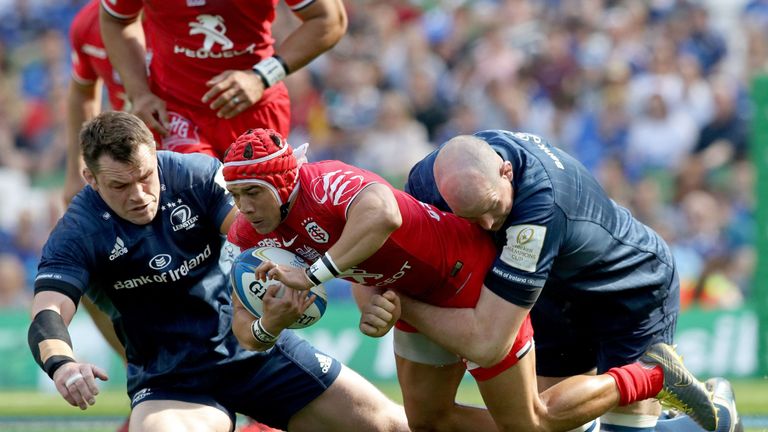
{"type": "Point", "coordinates": [664, 100]}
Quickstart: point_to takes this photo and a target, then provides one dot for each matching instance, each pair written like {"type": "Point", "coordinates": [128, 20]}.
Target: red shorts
{"type": "Point", "coordinates": [200, 131]}
{"type": "Point", "coordinates": [523, 344]}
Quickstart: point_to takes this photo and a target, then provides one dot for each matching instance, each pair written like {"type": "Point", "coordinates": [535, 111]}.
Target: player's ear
{"type": "Point", "coordinates": [506, 170]}
{"type": "Point", "coordinates": [89, 177]}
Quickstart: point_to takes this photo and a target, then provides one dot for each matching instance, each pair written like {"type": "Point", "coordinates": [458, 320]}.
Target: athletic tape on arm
{"type": "Point", "coordinates": [49, 341]}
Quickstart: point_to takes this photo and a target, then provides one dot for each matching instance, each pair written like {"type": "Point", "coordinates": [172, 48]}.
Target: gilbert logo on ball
{"type": "Point", "coordinates": [251, 291]}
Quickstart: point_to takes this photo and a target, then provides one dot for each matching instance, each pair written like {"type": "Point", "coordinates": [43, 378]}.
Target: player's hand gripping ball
{"type": "Point", "coordinates": [251, 291]}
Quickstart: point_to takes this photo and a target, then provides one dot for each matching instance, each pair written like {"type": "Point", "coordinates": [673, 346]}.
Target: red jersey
{"type": "Point", "coordinates": [194, 40]}
{"type": "Point", "coordinates": [435, 257]}
{"type": "Point", "coordinates": [89, 58]}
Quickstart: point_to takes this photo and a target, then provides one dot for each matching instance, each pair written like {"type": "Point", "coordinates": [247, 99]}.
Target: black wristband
{"type": "Point", "coordinates": [49, 341]}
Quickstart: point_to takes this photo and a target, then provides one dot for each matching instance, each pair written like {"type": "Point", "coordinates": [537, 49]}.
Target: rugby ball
{"type": "Point", "coordinates": [251, 291]}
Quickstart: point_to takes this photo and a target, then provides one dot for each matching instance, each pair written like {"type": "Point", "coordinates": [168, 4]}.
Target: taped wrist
{"type": "Point", "coordinates": [260, 334]}
{"type": "Point", "coordinates": [271, 70]}
{"type": "Point", "coordinates": [322, 270]}
{"type": "Point", "coordinates": [49, 341]}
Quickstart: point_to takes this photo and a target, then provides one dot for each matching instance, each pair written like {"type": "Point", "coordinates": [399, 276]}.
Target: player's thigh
{"type": "Point", "coordinates": [512, 397]}
{"type": "Point", "coordinates": [429, 391]}
{"type": "Point", "coordinates": [352, 404]}
{"type": "Point", "coordinates": [170, 415]}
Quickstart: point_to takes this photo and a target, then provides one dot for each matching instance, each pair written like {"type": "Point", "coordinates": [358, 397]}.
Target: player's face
{"type": "Point", "coordinates": [490, 211]}
{"type": "Point", "coordinates": [492, 202]}
{"type": "Point", "coordinates": [130, 190]}
{"type": "Point", "coordinates": [258, 204]}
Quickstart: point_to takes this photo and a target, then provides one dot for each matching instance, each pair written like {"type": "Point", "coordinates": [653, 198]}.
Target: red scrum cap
{"type": "Point", "coordinates": [261, 156]}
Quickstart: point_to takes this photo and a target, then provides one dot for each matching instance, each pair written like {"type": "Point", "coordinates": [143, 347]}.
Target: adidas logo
{"type": "Point", "coordinates": [325, 362]}
{"type": "Point", "coordinates": [141, 394]}
{"type": "Point", "coordinates": [118, 249]}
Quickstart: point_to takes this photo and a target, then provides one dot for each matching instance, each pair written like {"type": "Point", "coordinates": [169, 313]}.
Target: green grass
{"type": "Point", "coordinates": [56, 415]}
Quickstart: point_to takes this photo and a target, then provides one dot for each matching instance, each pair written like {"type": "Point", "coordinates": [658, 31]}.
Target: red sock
{"type": "Point", "coordinates": [637, 382]}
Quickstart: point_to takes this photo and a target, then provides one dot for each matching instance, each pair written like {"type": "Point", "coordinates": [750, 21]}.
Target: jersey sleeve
{"type": "Point", "coordinates": [334, 186]}
{"type": "Point", "coordinates": [123, 9]}
{"type": "Point", "coordinates": [62, 266]}
{"type": "Point", "coordinates": [534, 233]}
{"type": "Point", "coordinates": [297, 5]}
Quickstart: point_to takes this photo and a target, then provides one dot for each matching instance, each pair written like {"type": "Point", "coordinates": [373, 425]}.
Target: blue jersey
{"type": "Point", "coordinates": [165, 281]}
{"type": "Point", "coordinates": [563, 232]}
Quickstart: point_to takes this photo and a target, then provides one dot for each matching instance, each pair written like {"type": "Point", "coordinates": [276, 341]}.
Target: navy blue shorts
{"type": "Point", "coordinates": [269, 388]}
{"type": "Point", "coordinates": [576, 333]}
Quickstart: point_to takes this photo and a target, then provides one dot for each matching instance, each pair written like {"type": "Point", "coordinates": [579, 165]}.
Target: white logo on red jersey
{"type": "Point", "coordinates": [360, 275]}
{"type": "Point", "coordinates": [181, 132]}
{"type": "Point", "coordinates": [213, 28]}
{"type": "Point", "coordinates": [336, 186]}
{"type": "Point", "coordinates": [315, 231]}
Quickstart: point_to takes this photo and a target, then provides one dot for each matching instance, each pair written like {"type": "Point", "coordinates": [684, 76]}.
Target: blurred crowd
{"type": "Point", "coordinates": [652, 96]}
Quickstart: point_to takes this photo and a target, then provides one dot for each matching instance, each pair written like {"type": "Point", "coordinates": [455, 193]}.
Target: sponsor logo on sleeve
{"type": "Point", "coordinates": [524, 244]}
{"type": "Point", "coordinates": [336, 187]}
{"type": "Point", "coordinates": [324, 361]}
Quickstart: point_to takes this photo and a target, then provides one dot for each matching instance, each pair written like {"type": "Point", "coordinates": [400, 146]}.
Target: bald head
{"type": "Point", "coordinates": [464, 169]}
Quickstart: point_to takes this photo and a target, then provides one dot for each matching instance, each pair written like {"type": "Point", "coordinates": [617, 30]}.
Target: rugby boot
{"type": "Point", "coordinates": [681, 390]}
{"type": "Point", "coordinates": [722, 395]}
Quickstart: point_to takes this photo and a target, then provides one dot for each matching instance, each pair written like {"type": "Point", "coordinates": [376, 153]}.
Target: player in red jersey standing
{"type": "Point", "coordinates": [213, 60]}
{"type": "Point", "coordinates": [351, 224]}
{"type": "Point", "coordinates": [90, 68]}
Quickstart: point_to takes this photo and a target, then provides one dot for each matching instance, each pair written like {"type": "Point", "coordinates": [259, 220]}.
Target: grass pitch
{"type": "Point", "coordinates": [38, 412]}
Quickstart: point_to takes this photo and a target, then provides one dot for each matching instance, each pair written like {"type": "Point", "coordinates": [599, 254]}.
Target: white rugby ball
{"type": "Point", "coordinates": [251, 291]}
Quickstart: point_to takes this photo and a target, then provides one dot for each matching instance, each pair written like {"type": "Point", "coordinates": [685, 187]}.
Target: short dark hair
{"type": "Point", "coordinates": [116, 134]}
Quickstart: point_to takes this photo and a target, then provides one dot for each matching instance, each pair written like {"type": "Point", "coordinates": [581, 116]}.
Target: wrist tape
{"type": "Point", "coordinates": [322, 270]}
{"type": "Point", "coordinates": [271, 70]}
{"type": "Point", "coordinates": [261, 334]}
{"type": "Point", "coordinates": [49, 341]}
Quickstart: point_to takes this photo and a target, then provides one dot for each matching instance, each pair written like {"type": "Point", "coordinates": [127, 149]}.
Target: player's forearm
{"type": "Point", "coordinates": [483, 334]}
{"type": "Point", "coordinates": [241, 327]}
{"type": "Point", "coordinates": [324, 23]}
{"type": "Point", "coordinates": [457, 330]}
{"type": "Point", "coordinates": [124, 42]}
